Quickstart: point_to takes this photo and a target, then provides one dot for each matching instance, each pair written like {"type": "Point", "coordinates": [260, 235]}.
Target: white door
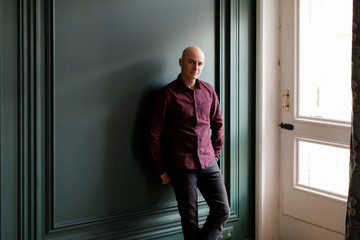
{"type": "Point", "coordinates": [316, 84]}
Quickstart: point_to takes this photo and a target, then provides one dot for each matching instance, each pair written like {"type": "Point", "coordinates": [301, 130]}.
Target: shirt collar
{"type": "Point", "coordinates": [197, 83]}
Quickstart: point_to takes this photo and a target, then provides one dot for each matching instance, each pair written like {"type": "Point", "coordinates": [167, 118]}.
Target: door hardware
{"type": "Point", "coordinates": [286, 100]}
{"type": "Point", "coordinates": [286, 126]}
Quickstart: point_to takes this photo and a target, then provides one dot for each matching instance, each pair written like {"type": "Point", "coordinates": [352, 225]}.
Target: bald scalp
{"type": "Point", "coordinates": [190, 50]}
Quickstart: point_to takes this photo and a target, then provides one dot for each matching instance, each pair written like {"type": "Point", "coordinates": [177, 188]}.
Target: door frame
{"type": "Point", "coordinates": [267, 179]}
{"type": "Point", "coordinates": [270, 223]}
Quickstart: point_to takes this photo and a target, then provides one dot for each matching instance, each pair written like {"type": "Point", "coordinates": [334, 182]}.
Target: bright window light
{"type": "Point", "coordinates": [324, 59]}
{"type": "Point", "coordinates": [323, 167]}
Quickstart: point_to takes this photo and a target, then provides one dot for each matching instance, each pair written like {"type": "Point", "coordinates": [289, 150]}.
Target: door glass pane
{"type": "Point", "coordinates": [324, 57]}
{"type": "Point", "coordinates": [323, 167]}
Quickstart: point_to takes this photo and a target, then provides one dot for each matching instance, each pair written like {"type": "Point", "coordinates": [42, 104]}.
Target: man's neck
{"type": "Point", "coordinates": [190, 83]}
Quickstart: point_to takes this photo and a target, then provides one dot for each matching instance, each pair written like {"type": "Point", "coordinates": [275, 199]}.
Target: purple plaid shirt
{"type": "Point", "coordinates": [180, 128]}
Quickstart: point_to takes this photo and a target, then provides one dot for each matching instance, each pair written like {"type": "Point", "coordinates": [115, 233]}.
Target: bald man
{"type": "Point", "coordinates": [184, 150]}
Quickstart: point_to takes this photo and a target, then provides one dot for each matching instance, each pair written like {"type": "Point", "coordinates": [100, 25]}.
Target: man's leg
{"type": "Point", "coordinates": [212, 187]}
{"type": "Point", "coordinates": [184, 183]}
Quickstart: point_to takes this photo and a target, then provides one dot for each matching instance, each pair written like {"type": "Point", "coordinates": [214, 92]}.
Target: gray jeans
{"type": "Point", "coordinates": [211, 185]}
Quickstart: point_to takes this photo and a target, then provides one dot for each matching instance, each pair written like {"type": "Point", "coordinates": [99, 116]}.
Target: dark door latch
{"type": "Point", "coordinates": [286, 126]}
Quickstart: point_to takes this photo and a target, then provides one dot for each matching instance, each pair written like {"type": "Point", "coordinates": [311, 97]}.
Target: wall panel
{"type": "Point", "coordinates": [109, 59]}
{"type": "Point", "coordinates": [8, 120]}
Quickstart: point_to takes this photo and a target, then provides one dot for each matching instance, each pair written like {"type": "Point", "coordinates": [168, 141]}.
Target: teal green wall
{"type": "Point", "coordinates": [8, 120]}
{"type": "Point", "coordinates": [110, 59]}
{"type": "Point", "coordinates": [78, 79]}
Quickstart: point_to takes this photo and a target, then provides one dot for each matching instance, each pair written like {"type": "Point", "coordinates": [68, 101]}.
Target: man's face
{"type": "Point", "coordinates": [192, 64]}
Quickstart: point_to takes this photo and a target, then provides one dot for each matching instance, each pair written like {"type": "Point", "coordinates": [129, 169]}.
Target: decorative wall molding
{"type": "Point", "coordinates": [163, 217]}
{"type": "Point", "coordinates": [28, 126]}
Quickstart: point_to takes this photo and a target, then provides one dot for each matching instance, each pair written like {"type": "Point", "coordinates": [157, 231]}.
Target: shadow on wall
{"type": "Point", "coordinates": [140, 131]}
{"type": "Point", "coordinates": [133, 178]}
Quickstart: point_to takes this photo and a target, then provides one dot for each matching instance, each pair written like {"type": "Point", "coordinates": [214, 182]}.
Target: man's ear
{"type": "Point", "coordinates": [180, 62]}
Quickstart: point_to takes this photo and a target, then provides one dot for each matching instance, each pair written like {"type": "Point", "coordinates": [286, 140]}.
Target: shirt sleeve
{"type": "Point", "coordinates": [157, 126]}
{"type": "Point", "coordinates": [216, 125]}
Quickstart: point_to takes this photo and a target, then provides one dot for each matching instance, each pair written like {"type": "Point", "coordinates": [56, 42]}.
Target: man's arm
{"type": "Point", "coordinates": [216, 125]}
{"type": "Point", "coordinates": [156, 131]}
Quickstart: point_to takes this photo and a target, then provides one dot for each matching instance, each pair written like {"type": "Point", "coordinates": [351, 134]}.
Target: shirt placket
{"type": "Point", "coordinates": [198, 136]}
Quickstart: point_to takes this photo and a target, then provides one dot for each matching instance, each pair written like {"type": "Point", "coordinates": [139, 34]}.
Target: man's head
{"type": "Point", "coordinates": [192, 63]}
